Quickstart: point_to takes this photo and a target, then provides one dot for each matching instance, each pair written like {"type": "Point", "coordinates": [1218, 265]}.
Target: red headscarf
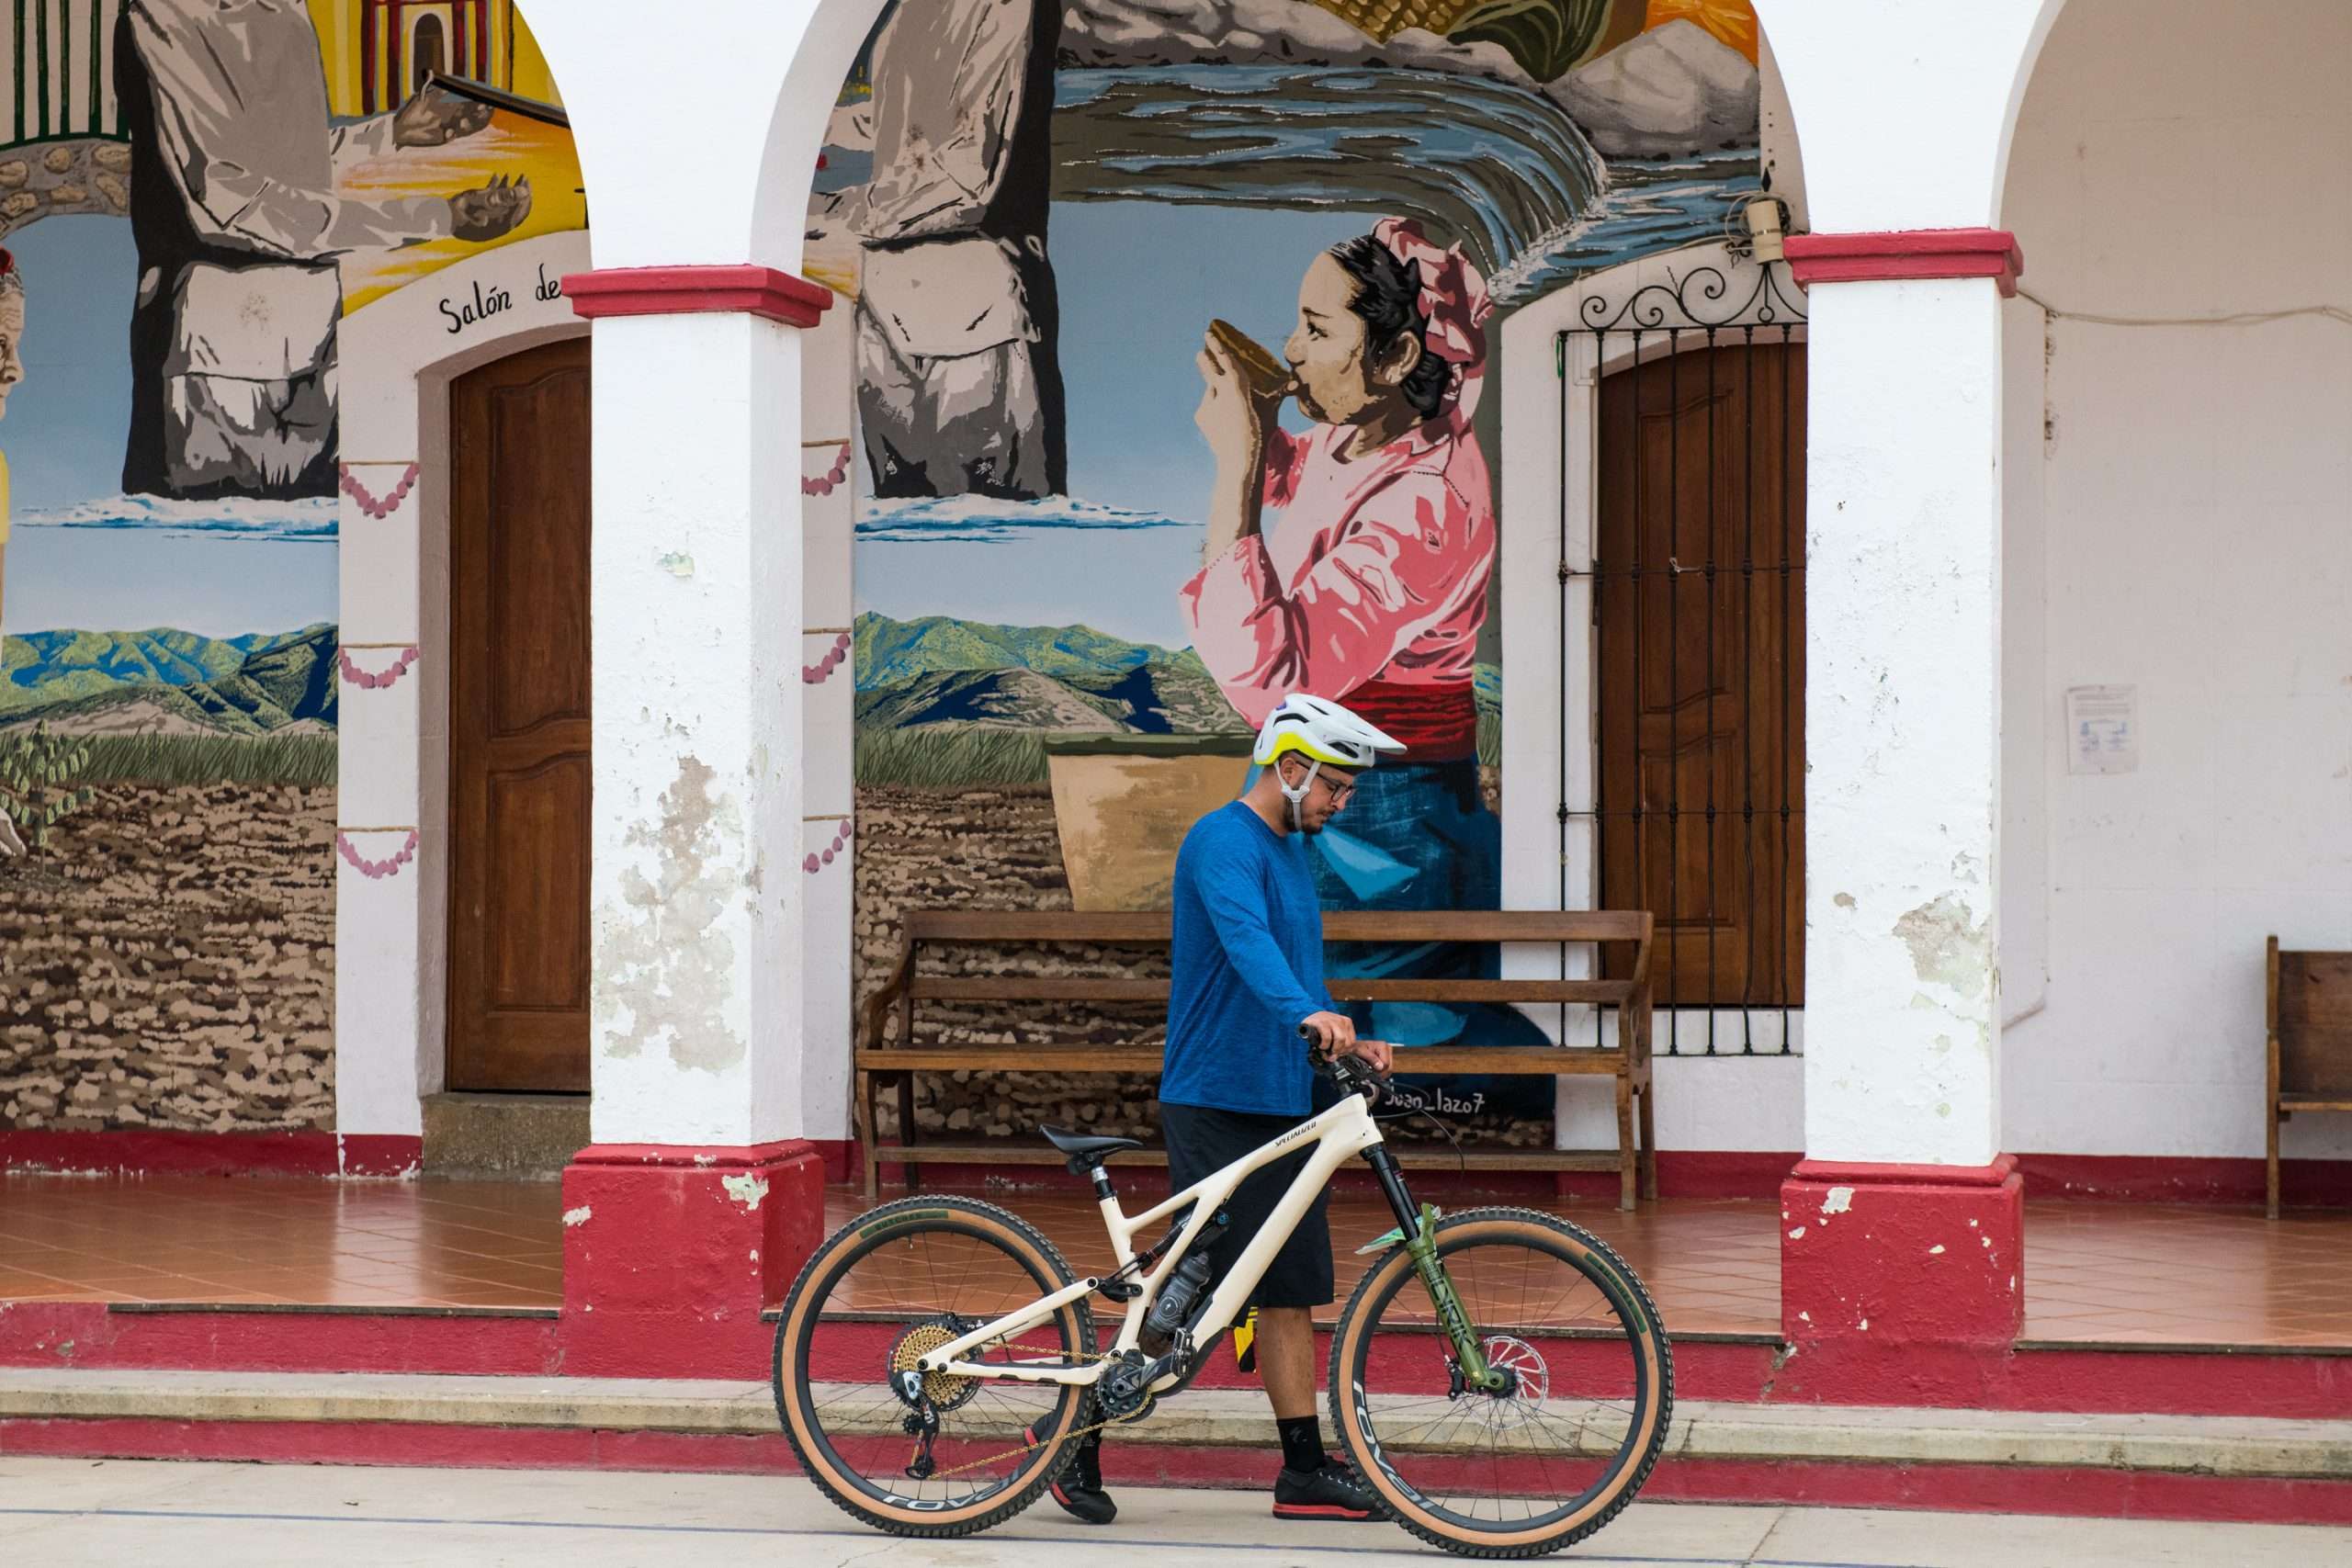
{"type": "Point", "coordinates": [1453, 299]}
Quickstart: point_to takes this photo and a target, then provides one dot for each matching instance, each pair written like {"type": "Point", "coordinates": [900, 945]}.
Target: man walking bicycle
{"type": "Point", "coordinates": [1247, 957]}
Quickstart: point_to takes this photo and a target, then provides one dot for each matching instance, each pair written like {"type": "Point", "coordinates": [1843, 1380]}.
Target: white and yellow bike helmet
{"type": "Point", "coordinates": [1322, 732]}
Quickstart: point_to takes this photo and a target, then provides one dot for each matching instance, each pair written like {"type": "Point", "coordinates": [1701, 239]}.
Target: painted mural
{"type": "Point", "coordinates": [194, 194]}
{"type": "Point", "coordinates": [1170, 333]}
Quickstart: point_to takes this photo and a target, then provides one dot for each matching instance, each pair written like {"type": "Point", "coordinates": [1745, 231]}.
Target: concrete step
{"type": "Point", "coordinates": [509, 1135]}
{"type": "Point", "coordinates": [2213, 1446]}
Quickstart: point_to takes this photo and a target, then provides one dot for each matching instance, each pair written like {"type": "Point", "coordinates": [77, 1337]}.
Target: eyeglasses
{"type": "Point", "coordinates": [1339, 792]}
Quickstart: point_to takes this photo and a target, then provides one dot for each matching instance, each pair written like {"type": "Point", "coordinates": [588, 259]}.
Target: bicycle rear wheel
{"type": "Point", "coordinates": [903, 1279]}
{"type": "Point", "coordinates": [1556, 1456]}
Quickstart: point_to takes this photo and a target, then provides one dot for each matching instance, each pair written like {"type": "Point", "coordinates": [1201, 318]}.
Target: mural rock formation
{"type": "Point", "coordinates": [1260, 32]}
{"type": "Point", "coordinates": [1674, 90]}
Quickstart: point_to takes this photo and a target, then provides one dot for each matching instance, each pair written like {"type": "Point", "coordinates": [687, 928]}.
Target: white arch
{"type": "Point", "coordinates": [698, 137]}
{"type": "Point", "coordinates": [1904, 108]}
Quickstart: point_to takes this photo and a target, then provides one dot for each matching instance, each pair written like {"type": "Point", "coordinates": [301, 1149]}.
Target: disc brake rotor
{"type": "Point", "coordinates": [1532, 1375]}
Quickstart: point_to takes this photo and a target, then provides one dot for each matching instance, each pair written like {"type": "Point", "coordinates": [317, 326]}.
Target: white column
{"type": "Point", "coordinates": [1902, 630]}
{"type": "Point", "coordinates": [696, 601]}
{"type": "Point", "coordinates": [827, 406]}
{"type": "Point", "coordinates": [1903, 109]}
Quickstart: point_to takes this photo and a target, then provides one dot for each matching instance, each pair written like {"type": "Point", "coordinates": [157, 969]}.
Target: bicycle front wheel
{"type": "Point", "coordinates": [1555, 1456]}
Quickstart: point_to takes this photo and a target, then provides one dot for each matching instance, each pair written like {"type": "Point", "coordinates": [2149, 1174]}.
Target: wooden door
{"type": "Point", "coordinates": [519, 723]}
{"type": "Point", "coordinates": [1701, 585]}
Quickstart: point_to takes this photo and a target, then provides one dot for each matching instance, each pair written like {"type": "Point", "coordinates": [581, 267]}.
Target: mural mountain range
{"type": "Point", "coordinates": [947, 671]}
{"type": "Point", "coordinates": [165, 682]}
{"type": "Point", "coordinates": [943, 671]}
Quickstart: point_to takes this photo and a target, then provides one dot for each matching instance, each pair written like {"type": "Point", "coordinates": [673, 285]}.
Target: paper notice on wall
{"type": "Point", "coordinates": [2103, 729]}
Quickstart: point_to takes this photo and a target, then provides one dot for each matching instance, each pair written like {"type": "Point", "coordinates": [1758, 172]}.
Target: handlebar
{"type": "Point", "coordinates": [1351, 1073]}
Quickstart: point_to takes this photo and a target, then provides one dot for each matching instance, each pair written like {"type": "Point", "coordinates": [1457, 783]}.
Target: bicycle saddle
{"type": "Point", "coordinates": [1085, 1150]}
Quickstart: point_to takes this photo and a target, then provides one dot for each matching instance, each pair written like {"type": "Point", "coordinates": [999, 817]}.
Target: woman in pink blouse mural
{"type": "Point", "coordinates": [1369, 587]}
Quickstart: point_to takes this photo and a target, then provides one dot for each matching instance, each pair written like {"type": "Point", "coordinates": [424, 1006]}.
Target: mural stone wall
{"type": "Point", "coordinates": [192, 196]}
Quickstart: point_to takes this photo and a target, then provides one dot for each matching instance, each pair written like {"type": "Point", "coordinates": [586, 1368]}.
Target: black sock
{"type": "Point", "coordinates": [1302, 1443]}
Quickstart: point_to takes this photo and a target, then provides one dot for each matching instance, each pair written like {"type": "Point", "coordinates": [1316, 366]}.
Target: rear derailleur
{"type": "Point", "coordinates": [922, 1423]}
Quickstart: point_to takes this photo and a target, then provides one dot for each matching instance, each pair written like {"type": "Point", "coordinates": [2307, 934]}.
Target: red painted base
{"type": "Point", "coordinates": [1735, 1173]}
{"type": "Point", "coordinates": [670, 1252]}
{"type": "Point", "coordinates": [2301, 1384]}
{"type": "Point", "coordinates": [140, 1152]}
{"type": "Point", "coordinates": [1683, 1173]}
{"type": "Point", "coordinates": [1924, 1261]}
{"type": "Point", "coordinates": [2147, 1179]}
{"type": "Point", "coordinates": [89, 1334]}
{"type": "Point", "coordinates": [2003, 1489]}
{"type": "Point", "coordinates": [1907, 254]}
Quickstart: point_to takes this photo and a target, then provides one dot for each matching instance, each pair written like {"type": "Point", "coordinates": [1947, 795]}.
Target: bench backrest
{"type": "Point", "coordinates": [938, 929]}
{"type": "Point", "coordinates": [1150, 928]}
{"type": "Point", "coordinates": [2310, 1013]}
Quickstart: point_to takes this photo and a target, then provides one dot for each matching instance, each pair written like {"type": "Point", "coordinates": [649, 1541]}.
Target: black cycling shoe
{"type": "Point", "coordinates": [1082, 1496]}
{"type": "Point", "coordinates": [1334, 1492]}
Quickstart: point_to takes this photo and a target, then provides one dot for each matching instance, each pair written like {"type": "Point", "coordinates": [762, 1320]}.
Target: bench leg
{"type": "Point", "coordinates": [868, 1135]}
{"type": "Point", "coordinates": [1649, 1141]}
{"type": "Point", "coordinates": [1626, 1156]}
{"type": "Point", "coordinates": [2270, 1162]}
{"type": "Point", "coordinates": [907, 1132]}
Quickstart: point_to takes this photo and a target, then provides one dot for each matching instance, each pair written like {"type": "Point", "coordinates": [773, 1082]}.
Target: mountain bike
{"type": "Point", "coordinates": [1500, 1377]}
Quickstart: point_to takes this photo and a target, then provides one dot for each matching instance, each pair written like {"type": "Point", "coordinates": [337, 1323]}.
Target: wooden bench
{"type": "Point", "coordinates": [880, 1059]}
{"type": "Point", "coordinates": [2310, 1020]}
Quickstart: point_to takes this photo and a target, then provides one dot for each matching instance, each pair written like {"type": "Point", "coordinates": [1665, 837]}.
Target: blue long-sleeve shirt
{"type": "Point", "coordinates": [1248, 968]}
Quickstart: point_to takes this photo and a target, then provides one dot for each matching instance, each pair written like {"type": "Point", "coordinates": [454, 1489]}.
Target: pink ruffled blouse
{"type": "Point", "coordinates": [1376, 570]}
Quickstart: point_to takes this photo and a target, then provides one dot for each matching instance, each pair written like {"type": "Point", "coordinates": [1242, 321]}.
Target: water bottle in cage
{"type": "Point", "coordinates": [1173, 1305]}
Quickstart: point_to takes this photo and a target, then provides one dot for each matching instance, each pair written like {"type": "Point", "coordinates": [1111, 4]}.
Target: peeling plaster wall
{"type": "Point", "coordinates": [1902, 723]}
{"type": "Point", "coordinates": [696, 900]}
{"type": "Point", "coordinates": [2197, 549]}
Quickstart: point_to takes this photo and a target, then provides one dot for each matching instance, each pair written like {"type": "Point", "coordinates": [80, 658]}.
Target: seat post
{"type": "Point", "coordinates": [1102, 1191]}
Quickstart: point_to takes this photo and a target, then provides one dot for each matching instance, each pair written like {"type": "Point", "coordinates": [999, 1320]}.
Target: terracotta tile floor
{"type": "Point", "coordinates": [2106, 1272]}
{"type": "Point", "coordinates": [469, 1243]}
{"type": "Point", "coordinates": [2188, 1275]}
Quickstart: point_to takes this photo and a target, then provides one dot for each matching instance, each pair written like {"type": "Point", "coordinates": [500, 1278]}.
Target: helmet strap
{"type": "Point", "coordinates": [1298, 796]}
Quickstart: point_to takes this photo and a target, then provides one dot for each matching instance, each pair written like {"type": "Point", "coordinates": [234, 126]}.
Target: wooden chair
{"type": "Point", "coordinates": [2310, 1021]}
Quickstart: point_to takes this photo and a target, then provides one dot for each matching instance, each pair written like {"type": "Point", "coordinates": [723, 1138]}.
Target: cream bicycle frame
{"type": "Point", "coordinates": [1338, 1135]}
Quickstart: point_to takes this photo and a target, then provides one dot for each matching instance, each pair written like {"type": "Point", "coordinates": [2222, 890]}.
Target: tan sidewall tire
{"type": "Point", "coordinates": [966, 1216]}
{"type": "Point", "coordinates": [1507, 1225]}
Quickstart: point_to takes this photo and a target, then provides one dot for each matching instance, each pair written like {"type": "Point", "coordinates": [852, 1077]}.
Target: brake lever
{"type": "Point", "coordinates": [1351, 1073]}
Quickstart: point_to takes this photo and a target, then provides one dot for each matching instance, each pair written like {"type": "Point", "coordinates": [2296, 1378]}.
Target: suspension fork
{"type": "Point", "coordinates": [1418, 1225]}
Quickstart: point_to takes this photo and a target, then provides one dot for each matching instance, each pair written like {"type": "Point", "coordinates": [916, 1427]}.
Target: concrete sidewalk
{"type": "Point", "coordinates": [1208, 1418]}
{"type": "Point", "coordinates": [80, 1514]}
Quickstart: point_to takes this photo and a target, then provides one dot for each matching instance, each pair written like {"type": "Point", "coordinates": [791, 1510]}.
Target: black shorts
{"type": "Point", "coordinates": [1202, 1142]}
